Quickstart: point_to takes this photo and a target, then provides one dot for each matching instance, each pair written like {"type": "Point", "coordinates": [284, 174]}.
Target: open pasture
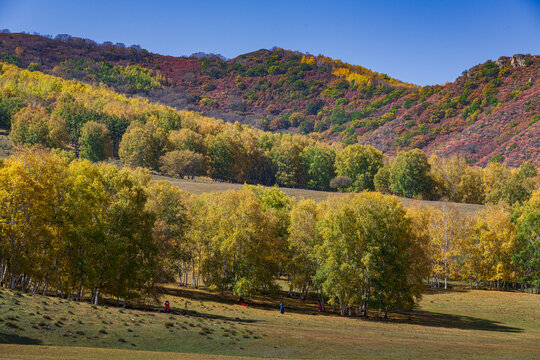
{"type": "Point", "coordinates": [455, 323]}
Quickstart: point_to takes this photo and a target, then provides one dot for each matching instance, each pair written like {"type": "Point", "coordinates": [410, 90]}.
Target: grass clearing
{"type": "Point", "coordinates": [447, 324]}
{"type": "Point", "coordinates": [201, 186]}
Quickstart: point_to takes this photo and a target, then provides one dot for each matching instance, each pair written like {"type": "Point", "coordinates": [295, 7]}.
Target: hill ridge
{"type": "Point", "coordinates": [492, 109]}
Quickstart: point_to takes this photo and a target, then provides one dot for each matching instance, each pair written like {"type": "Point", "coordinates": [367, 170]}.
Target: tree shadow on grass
{"type": "Point", "coordinates": [17, 339]}
{"type": "Point", "coordinates": [428, 318]}
{"type": "Point", "coordinates": [292, 305]}
{"type": "Point", "coordinates": [195, 295]}
{"type": "Point", "coordinates": [309, 307]}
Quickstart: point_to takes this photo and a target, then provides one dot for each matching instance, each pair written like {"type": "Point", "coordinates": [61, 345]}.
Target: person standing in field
{"type": "Point", "coordinates": [319, 305]}
{"type": "Point", "coordinates": [167, 308]}
{"type": "Point", "coordinates": [281, 308]}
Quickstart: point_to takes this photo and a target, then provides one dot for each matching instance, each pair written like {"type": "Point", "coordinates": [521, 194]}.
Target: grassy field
{"type": "Point", "coordinates": [200, 186]}
{"type": "Point", "coordinates": [447, 325]}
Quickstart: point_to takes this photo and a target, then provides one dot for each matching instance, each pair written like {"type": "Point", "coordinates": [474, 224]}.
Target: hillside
{"type": "Point", "coordinates": [477, 324]}
{"type": "Point", "coordinates": [492, 109]}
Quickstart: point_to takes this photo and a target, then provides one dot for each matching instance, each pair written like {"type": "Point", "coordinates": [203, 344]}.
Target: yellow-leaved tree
{"type": "Point", "coordinates": [495, 234]}
{"type": "Point", "coordinates": [445, 231]}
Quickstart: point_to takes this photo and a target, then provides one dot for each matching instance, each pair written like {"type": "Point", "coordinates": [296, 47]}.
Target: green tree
{"type": "Point", "coordinates": [409, 175]}
{"type": "Point", "coordinates": [302, 242]}
{"type": "Point", "coordinates": [360, 163]}
{"type": "Point", "coordinates": [95, 143]}
{"type": "Point", "coordinates": [181, 163]}
{"type": "Point", "coordinates": [369, 253]}
{"type": "Point", "coordinates": [241, 254]}
{"type": "Point", "coordinates": [527, 255]}
{"type": "Point", "coordinates": [226, 157]}
{"type": "Point", "coordinates": [186, 139]}
{"type": "Point", "coordinates": [381, 181]}
{"type": "Point", "coordinates": [142, 145]}
{"type": "Point", "coordinates": [170, 205]}
{"type": "Point", "coordinates": [319, 162]}
{"type": "Point", "coordinates": [287, 159]}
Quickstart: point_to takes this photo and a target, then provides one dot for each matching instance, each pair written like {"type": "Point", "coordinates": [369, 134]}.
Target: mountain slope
{"type": "Point", "coordinates": [492, 109]}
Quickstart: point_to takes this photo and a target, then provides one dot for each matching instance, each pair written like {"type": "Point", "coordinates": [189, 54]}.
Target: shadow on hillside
{"type": "Point", "coordinates": [427, 318]}
{"type": "Point", "coordinates": [17, 339]}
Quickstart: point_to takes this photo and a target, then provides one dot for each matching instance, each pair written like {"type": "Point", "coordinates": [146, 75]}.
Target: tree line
{"type": "Point", "coordinates": [98, 123]}
{"type": "Point", "coordinates": [84, 230]}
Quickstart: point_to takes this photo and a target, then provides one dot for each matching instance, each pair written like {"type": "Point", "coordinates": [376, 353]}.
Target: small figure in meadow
{"type": "Point", "coordinates": [242, 302]}
{"type": "Point", "coordinates": [281, 308]}
{"type": "Point", "coordinates": [319, 305]}
{"type": "Point", "coordinates": [167, 308]}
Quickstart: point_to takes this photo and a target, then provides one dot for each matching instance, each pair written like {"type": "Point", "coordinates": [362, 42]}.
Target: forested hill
{"type": "Point", "coordinates": [491, 110]}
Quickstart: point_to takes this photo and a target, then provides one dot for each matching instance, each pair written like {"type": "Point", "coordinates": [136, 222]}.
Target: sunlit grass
{"type": "Point", "coordinates": [447, 324]}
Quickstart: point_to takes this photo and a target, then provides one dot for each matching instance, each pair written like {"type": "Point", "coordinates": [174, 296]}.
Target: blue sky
{"type": "Point", "coordinates": [424, 42]}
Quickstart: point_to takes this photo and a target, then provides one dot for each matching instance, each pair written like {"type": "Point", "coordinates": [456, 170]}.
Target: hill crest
{"type": "Point", "coordinates": [491, 109]}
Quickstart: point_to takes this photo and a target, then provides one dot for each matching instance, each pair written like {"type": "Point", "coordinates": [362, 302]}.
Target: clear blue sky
{"type": "Point", "coordinates": [424, 42]}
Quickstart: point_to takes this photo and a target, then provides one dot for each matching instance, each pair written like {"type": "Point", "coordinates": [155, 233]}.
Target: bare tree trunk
{"type": "Point", "coordinates": [36, 287]}
{"type": "Point", "coordinates": [96, 297]}
{"type": "Point", "coordinates": [193, 275]}
{"type": "Point", "coordinates": [59, 281]}
{"type": "Point", "coordinates": [45, 287]}
{"type": "Point", "coordinates": [79, 292]}
{"type": "Point", "coordinates": [342, 307]}
{"type": "Point", "coordinates": [304, 295]}
{"type": "Point", "coordinates": [4, 271]}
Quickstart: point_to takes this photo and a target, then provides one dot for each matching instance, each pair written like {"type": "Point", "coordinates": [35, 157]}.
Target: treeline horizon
{"type": "Point", "coordinates": [98, 123]}
{"type": "Point", "coordinates": [84, 229]}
